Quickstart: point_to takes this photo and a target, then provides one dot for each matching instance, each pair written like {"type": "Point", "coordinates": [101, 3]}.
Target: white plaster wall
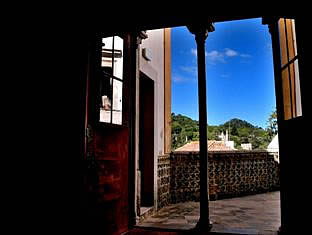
{"type": "Point", "coordinates": [154, 69]}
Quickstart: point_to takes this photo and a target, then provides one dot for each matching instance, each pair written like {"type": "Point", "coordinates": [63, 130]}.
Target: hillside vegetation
{"type": "Point", "coordinates": [184, 130]}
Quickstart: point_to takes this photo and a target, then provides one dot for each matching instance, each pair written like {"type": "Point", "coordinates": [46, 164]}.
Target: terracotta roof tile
{"type": "Point", "coordinates": [213, 145]}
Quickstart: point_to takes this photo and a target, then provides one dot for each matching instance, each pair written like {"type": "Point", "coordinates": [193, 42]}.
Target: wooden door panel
{"type": "Point", "coordinates": [107, 157]}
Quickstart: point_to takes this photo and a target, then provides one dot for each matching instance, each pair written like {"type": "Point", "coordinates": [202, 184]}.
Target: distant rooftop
{"type": "Point", "coordinates": [213, 145]}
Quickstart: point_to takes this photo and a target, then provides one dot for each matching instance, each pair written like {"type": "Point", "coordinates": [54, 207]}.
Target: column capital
{"type": "Point", "coordinates": [200, 30]}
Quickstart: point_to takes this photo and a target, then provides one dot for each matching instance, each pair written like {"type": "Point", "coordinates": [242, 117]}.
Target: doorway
{"type": "Point", "coordinates": [146, 140]}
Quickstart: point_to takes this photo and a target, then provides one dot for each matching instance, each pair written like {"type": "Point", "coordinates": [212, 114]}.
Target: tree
{"type": "Point", "coordinates": [272, 124]}
{"type": "Point", "coordinates": [237, 142]}
{"type": "Point", "coordinates": [184, 129]}
{"type": "Point", "coordinates": [234, 131]}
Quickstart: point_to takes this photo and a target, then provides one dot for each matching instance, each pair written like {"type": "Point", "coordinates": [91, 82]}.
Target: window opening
{"type": "Point", "coordinates": [111, 80]}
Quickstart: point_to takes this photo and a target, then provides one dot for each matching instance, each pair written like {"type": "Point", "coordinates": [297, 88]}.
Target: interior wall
{"type": "Point", "coordinates": [155, 44]}
{"type": "Point", "coordinates": [154, 69]}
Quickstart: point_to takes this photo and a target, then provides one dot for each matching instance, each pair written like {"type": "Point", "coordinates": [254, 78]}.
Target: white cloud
{"type": "Point", "coordinates": [214, 56]}
{"type": "Point", "coordinates": [194, 51]}
{"type": "Point", "coordinates": [189, 69]}
{"type": "Point", "coordinates": [245, 55]}
{"type": "Point", "coordinates": [219, 56]}
{"type": "Point", "coordinates": [229, 52]}
{"type": "Point", "coordinates": [177, 78]}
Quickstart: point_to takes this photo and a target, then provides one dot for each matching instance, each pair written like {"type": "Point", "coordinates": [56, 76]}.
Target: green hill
{"type": "Point", "coordinates": [184, 129]}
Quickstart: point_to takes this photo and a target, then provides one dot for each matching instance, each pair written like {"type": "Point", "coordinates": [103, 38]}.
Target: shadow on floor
{"type": "Point", "coordinates": [154, 231]}
{"type": "Point", "coordinates": [255, 214]}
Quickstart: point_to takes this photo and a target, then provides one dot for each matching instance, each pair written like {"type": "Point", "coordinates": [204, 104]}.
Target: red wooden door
{"type": "Point", "coordinates": [107, 142]}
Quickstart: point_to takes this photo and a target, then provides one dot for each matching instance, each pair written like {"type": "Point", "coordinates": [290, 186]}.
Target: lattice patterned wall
{"type": "Point", "coordinates": [163, 180]}
{"type": "Point", "coordinates": [230, 174]}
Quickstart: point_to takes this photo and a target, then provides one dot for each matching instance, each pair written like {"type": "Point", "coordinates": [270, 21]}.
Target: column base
{"type": "Point", "coordinates": [203, 225]}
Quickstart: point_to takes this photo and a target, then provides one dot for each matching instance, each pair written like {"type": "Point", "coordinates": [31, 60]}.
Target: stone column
{"type": "Point", "coordinates": [201, 33]}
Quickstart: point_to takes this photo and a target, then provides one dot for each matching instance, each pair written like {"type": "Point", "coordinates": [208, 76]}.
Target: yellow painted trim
{"type": "Point", "coordinates": [167, 90]}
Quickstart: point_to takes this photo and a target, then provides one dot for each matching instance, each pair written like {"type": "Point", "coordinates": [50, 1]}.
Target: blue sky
{"type": "Point", "coordinates": [239, 72]}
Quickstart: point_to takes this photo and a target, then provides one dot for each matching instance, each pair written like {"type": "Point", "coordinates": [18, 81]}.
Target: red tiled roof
{"type": "Point", "coordinates": [213, 145]}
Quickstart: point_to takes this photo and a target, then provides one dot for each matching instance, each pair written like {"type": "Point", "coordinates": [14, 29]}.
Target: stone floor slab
{"type": "Point", "coordinates": [255, 214]}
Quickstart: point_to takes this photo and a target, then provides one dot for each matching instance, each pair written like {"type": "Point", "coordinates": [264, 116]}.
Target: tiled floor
{"type": "Point", "coordinates": [256, 214]}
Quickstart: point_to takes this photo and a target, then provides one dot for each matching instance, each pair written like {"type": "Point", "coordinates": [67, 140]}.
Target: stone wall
{"type": "Point", "coordinates": [231, 173]}
{"type": "Point", "coordinates": [163, 181]}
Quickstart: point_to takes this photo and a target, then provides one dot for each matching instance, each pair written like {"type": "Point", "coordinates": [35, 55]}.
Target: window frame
{"type": "Point", "coordinates": [109, 75]}
{"type": "Point", "coordinates": [289, 69]}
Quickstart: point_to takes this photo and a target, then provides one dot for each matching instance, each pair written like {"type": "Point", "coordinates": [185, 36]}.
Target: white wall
{"type": "Point", "coordinates": [154, 69]}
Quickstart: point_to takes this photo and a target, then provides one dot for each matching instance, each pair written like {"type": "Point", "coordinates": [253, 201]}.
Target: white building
{"type": "Point", "coordinates": [225, 138]}
{"type": "Point", "coordinates": [273, 148]}
{"type": "Point", "coordinates": [246, 146]}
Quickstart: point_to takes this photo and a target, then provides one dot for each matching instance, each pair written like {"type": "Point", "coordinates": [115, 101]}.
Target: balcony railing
{"type": "Point", "coordinates": [230, 173]}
